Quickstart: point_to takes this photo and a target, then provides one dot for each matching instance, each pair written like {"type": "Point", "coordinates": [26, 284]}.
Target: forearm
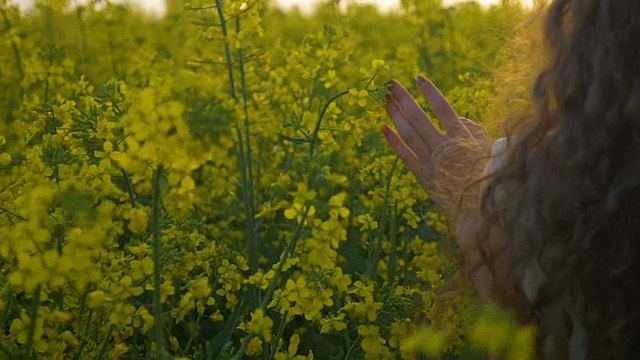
{"type": "Point", "coordinates": [467, 228]}
{"type": "Point", "coordinates": [488, 265]}
{"type": "Point", "coordinates": [485, 247]}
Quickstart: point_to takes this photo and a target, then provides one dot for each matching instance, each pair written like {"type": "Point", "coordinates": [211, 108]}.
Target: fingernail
{"type": "Point", "coordinates": [421, 79]}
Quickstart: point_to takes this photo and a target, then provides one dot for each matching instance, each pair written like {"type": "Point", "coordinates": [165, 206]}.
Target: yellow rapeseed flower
{"type": "Point", "coordinates": [260, 324]}
{"type": "Point", "coordinates": [5, 159]}
{"type": "Point", "coordinates": [255, 346]}
{"type": "Point", "coordinates": [68, 337]}
{"type": "Point", "coordinates": [118, 351]}
{"type": "Point", "coordinates": [59, 317]}
{"type": "Point", "coordinates": [97, 299]}
{"type": "Point", "coordinates": [138, 220]}
{"type": "Point", "coordinates": [200, 288]}
{"type": "Point", "coordinates": [358, 97]}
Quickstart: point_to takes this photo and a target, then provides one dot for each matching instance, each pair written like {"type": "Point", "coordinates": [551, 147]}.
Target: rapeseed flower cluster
{"type": "Point", "coordinates": [212, 184]}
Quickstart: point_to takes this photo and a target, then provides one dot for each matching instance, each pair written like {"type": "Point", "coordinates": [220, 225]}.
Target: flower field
{"type": "Point", "coordinates": [213, 184]}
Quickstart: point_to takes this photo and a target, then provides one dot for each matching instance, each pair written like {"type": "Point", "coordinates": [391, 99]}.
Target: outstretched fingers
{"type": "Point", "coordinates": [406, 154]}
{"type": "Point", "coordinates": [407, 131]}
{"type": "Point", "coordinates": [415, 116]}
{"type": "Point", "coordinates": [441, 108]}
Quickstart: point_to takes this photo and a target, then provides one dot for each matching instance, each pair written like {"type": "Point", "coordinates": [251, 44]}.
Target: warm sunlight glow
{"type": "Point", "coordinates": [158, 6]}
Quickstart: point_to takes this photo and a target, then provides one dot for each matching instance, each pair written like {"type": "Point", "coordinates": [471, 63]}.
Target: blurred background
{"type": "Point", "coordinates": [159, 7]}
{"type": "Point", "coordinates": [236, 155]}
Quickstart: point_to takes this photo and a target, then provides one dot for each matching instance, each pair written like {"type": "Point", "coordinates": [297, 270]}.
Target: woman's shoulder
{"type": "Point", "coordinates": [498, 151]}
{"type": "Point", "coordinates": [496, 161]}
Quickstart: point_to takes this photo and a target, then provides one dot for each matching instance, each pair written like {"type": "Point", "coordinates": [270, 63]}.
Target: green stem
{"type": "Point", "coordinates": [48, 21]}
{"type": "Point", "coordinates": [10, 355]}
{"type": "Point", "coordinates": [35, 306]}
{"type": "Point", "coordinates": [84, 328]}
{"type": "Point", "coordinates": [244, 154]}
{"type": "Point", "coordinates": [84, 43]}
{"type": "Point", "coordinates": [285, 256]}
{"type": "Point", "coordinates": [14, 47]}
{"type": "Point", "coordinates": [232, 324]}
{"type": "Point", "coordinates": [112, 50]}
{"type": "Point", "coordinates": [157, 265]}
{"type": "Point", "coordinates": [59, 236]}
{"type": "Point", "coordinates": [46, 90]}
{"type": "Point", "coordinates": [3, 210]}
{"type": "Point", "coordinates": [316, 130]}
{"type": "Point", "coordinates": [272, 285]}
{"type": "Point", "coordinates": [7, 308]}
{"type": "Point", "coordinates": [405, 254]}
{"type": "Point", "coordinates": [393, 237]}
{"type": "Point", "coordinates": [315, 80]}
{"type": "Point", "coordinates": [252, 231]}
{"type": "Point", "coordinates": [281, 327]}
{"type": "Point", "coordinates": [130, 191]}
{"type": "Point", "coordinates": [192, 336]}
{"type": "Point", "coordinates": [353, 345]}
{"type": "Point", "coordinates": [373, 264]}
{"type": "Point", "coordinates": [227, 49]}
{"type": "Point", "coordinates": [370, 81]}
{"type": "Point", "coordinates": [105, 341]}
{"type": "Point", "coordinates": [286, 165]}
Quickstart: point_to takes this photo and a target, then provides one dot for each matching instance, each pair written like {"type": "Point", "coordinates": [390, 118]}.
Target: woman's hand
{"type": "Point", "coordinates": [444, 163]}
{"type": "Point", "coordinates": [436, 159]}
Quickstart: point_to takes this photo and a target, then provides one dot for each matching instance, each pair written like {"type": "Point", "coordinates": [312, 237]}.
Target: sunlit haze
{"type": "Point", "coordinates": [383, 4]}
{"type": "Point", "coordinates": [158, 6]}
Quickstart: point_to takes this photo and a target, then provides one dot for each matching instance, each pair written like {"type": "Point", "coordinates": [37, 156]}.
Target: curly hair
{"type": "Point", "coordinates": [572, 171]}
